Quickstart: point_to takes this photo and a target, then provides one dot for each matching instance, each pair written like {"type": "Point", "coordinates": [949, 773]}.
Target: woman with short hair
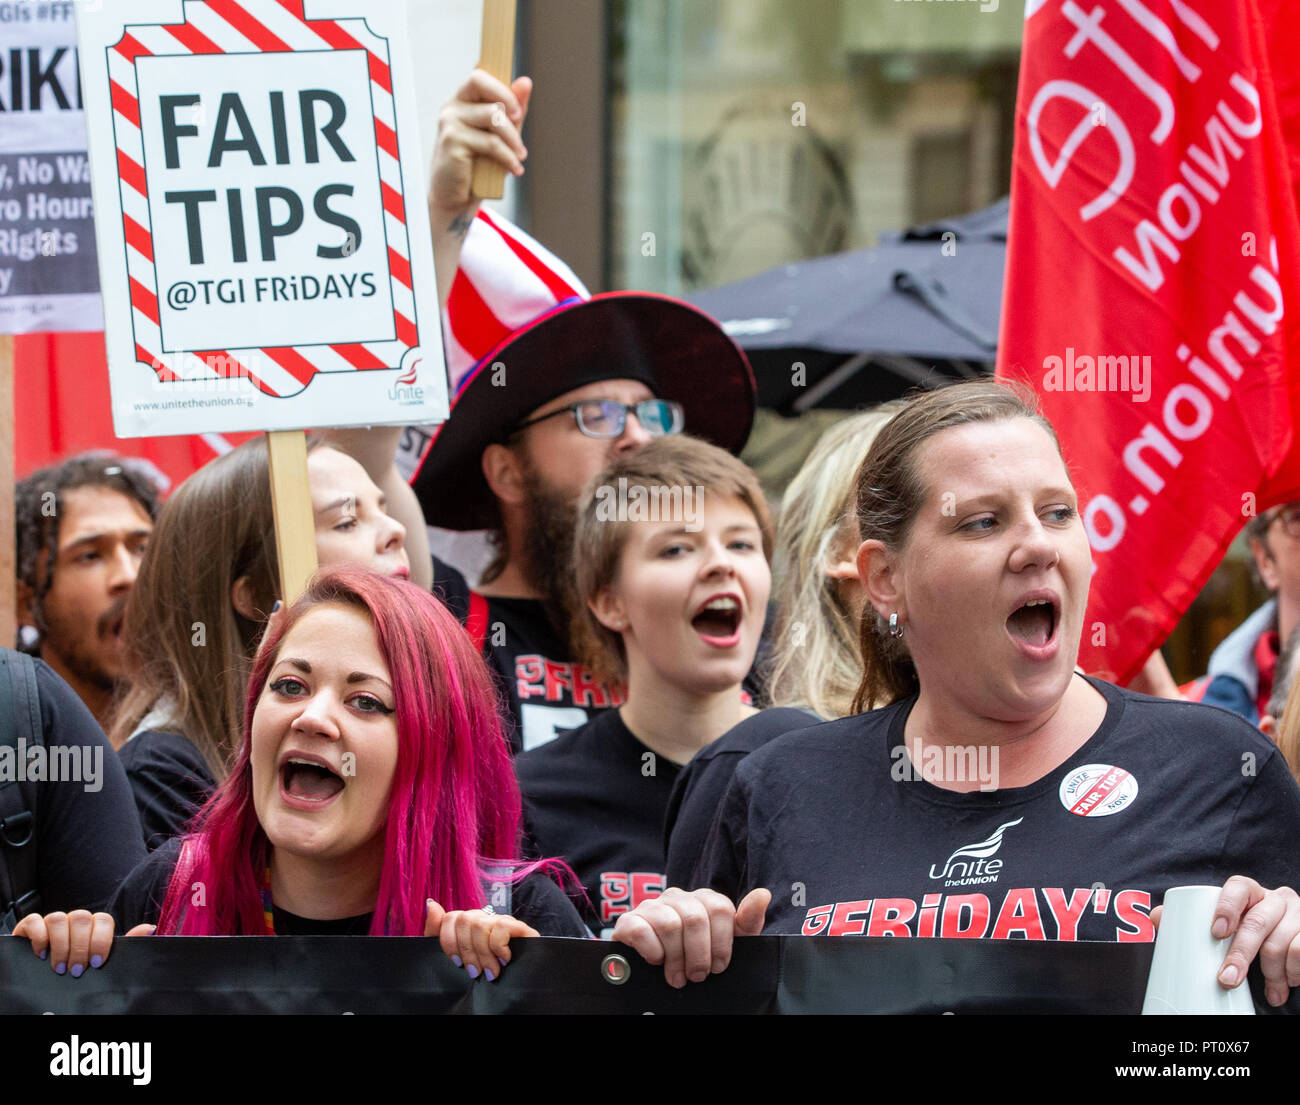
{"type": "Point", "coordinates": [672, 580]}
{"type": "Point", "coordinates": [814, 662]}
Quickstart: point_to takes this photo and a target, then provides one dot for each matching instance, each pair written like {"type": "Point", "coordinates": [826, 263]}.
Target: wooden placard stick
{"type": "Point", "coordinates": [497, 57]}
{"type": "Point", "coordinates": [295, 523]}
{"type": "Point", "coordinates": [8, 557]}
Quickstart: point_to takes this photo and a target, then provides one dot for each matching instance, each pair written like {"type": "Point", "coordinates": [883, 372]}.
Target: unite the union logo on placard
{"type": "Point", "coordinates": [263, 146]}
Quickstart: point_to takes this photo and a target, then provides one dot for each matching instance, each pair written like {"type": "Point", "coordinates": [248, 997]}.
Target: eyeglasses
{"type": "Point", "coordinates": [608, 417]}
{"type": "Point", "coordinates": [1289, 516]}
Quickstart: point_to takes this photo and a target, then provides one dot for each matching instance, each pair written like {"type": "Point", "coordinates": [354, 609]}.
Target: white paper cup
{"type": "Point", "coordinates": [1185, 967]}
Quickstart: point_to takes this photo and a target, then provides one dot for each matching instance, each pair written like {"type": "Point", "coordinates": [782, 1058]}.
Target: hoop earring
{"type": "Point", "coordinates": [895, 630]}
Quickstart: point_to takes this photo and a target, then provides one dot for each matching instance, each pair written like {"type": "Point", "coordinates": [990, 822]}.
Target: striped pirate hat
{"type": "Point", "coordinates": [521, 329]}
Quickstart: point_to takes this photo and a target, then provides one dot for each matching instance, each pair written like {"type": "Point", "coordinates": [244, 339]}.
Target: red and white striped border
{"type": "Point", "coordinates": [254, 26]}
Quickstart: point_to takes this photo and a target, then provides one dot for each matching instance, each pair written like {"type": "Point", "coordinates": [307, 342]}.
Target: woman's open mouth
{"type": "Point", "coordinates": [308, 784]}
{"type": "Point", "coordinates": [718, 621]}
{"type": "Point", "coordinates": [1033, 625]}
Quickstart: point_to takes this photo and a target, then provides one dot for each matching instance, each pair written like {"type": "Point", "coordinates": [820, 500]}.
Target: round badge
{"type": "Point", "coordinates": [1098, 790]}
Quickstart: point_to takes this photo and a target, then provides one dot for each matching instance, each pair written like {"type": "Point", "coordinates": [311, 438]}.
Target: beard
{"type": "Point", "coordinates": [548, 549]}
{"type": "Point", "coordinates": [77, 651]}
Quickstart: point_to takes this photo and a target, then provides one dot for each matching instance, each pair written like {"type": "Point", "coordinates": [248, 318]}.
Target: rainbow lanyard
{"type": "Point", "coordinates": [268, 910]}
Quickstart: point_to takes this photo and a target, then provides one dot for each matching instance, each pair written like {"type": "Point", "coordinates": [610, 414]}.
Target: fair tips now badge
{"type": "Point", "coordinates": [264, 247]}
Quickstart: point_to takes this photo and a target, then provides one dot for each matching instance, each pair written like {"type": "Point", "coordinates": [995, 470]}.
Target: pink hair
{"type": "Point", "coordinates": [454, 806]}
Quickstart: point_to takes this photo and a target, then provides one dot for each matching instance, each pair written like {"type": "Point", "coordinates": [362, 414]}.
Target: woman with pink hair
{"type": "Point", "coordinates": [372, 793]}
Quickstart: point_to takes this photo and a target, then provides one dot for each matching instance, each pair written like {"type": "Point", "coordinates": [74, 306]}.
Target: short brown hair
{"type": "Point", "coordinates": [660, 467]}
{"type": "Point", "coordinates": [891, 493]}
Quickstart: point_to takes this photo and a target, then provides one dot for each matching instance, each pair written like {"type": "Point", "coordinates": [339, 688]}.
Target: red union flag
{"type": "Point", "coordinates": [1153, 232]}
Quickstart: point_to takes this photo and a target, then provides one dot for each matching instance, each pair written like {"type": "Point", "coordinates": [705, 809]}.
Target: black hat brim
{"type": "Point", "coordinates": [677, 351]}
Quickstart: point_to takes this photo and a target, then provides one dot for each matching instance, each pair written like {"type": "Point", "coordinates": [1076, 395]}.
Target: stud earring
{"type": "Point", "coordinates": [895, 630]}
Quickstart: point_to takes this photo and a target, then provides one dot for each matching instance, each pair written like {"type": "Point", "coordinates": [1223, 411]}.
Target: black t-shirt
{"type": "Point", "coordinates": [170, 780]}
{"type": "Point", "coordinates": [87, 835]}
{"type": "Point", "coordinates": [535, 900]}
{"type": "Point", "coordinates": [838, 825]}
{"type": "Point", "coordinates": [696, 800]}
{"type": "Point", "coordinates": [596, 799]}
{"type": "Point", "coordinates": [545, 692]}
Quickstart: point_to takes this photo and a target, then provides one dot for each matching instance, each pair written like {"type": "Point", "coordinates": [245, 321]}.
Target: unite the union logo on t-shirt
{"type": "Point", "coordinates": [974, 863]}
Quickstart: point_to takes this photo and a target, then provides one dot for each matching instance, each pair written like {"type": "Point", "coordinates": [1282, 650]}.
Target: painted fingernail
{"type": "Point", "coordinates": [61, 969]}
{"type": "Point", "coordinates": [277, 606]}
{"type": "Point", "coordinates": [457, 960]}
{"type": "Point", "coordinates": [78, 969]}
{"type": "Point", "coordinates": [1229, 976]}
{"type": "Point", "coordinates": [45, 952]}
{"type": "Point", "coordinates": [472, 971]}
{"type": "Point", "coordinates": [487, 974]}
{"type": "Point", "coordinates": [96, 960]}
{"type": "Point", "coordinates": [1220, 927]}
{"type": "Point", "coordinates": [501, 961]}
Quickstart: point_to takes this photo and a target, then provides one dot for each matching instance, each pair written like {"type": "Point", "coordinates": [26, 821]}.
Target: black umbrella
{"type": "Point", "coordinates": [920, 308]}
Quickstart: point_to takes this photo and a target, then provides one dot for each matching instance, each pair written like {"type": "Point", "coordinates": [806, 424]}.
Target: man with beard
{"type": "Point", "coordinates": [81, 527]}
{"type": "Point", "coordinates": [549, 384]}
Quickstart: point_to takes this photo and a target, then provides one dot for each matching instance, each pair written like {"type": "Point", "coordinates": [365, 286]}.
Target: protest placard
{"type": "Point", "coordinates": [48, 275]}
{"type": "Point", "coordinates": [263, 238]}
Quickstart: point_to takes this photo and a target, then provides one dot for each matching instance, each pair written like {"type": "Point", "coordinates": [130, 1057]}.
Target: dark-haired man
{"type": "Point", "coordinates": [82, 527]}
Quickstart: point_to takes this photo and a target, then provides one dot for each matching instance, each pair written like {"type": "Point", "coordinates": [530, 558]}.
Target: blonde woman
{"type": "Point", "coordinates": [815, 662]}
{"type": "Point", "coordinates": [1281, 719]}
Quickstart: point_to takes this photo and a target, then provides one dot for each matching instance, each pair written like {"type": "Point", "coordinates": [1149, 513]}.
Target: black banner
{"type": "Point", "coordinates": [768, 974]}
